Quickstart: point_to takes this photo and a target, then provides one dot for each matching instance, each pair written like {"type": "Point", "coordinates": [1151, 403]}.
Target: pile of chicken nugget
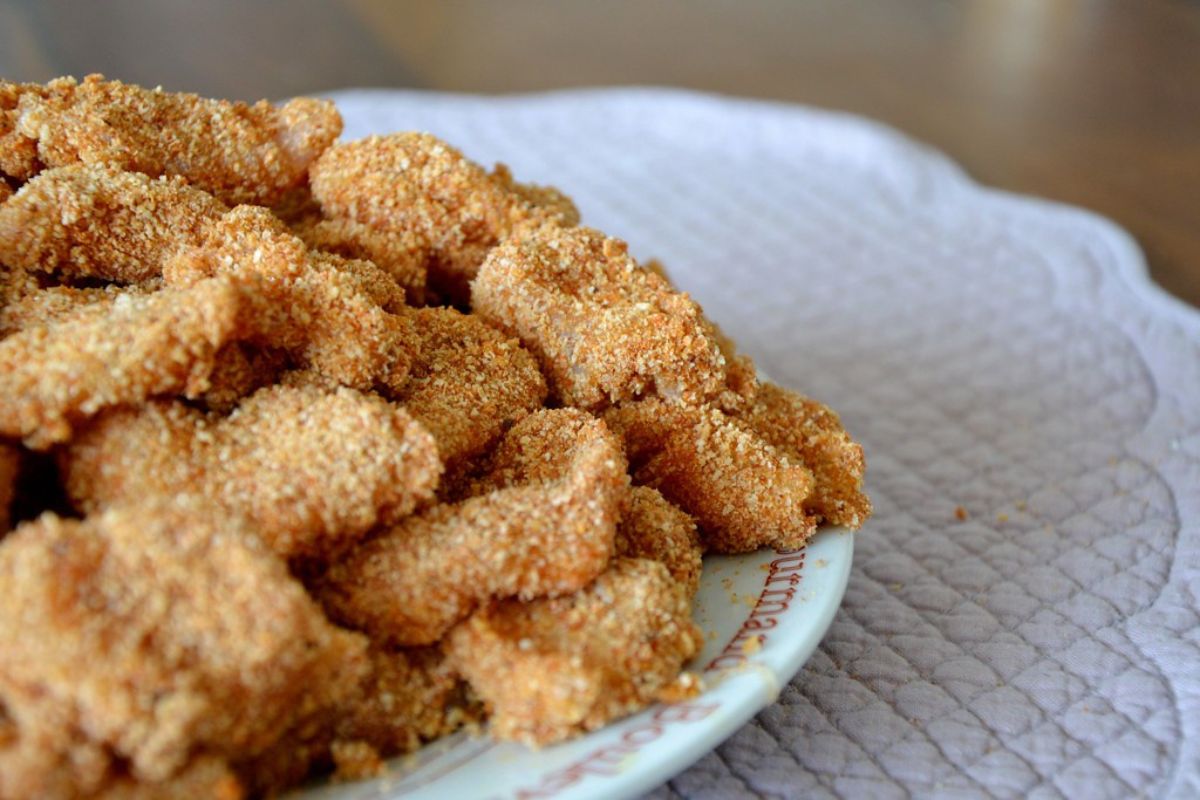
{"type": "Point", "coordinates": [313, 452]}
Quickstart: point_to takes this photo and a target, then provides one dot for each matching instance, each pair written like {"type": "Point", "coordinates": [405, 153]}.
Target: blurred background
{"type": "Point", "coordinates": [1092, 102]}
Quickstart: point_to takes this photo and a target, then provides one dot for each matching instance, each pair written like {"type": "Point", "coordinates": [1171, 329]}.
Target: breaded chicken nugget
{"type": "Point", "coordinates": [556, 667]}
{"type": "Point", "coordinates": [10, 464]}
{"type": "Point", "coordinates": [418, 185]}
{"type": "Point", "coordinates": [96, 221]}
{"type": "Point", "coordinates": [15, 286]}
{"type": "Point", "coordinates": [405, 698]}
{"type": "Point", "coordinates": [603, 328]}
{"type": "Point", "coordinates": [163, 635]}
{"type": "Point", "coordinates": [548, 198]}
{"type": "Point", "coordinates": [810, 433]}
{"type": "Point", "coordinates": [547, 537]}
{"type": "Point", "coordinates": [54, 376]}
{"type": "Point", "coordinates": [240, 370]}
{"type": "Point", "coordinates": [238, 152]}
{"type": "Point", "coordinates": [329, 314]}
{"type": "Point", "coordinates": [31, 305]}
{"type": "Point", "coordinates": [204, 776]}
{"type": "Point", "coordinates": [312, 470]}
{"type": "Point", "coordinates": [401, 254]}
{"type": "Point", "coordinates": [409, 697]}
{"type": "Point", "coordinates": [59, 763]}
{"type": "Point", "coordinates": [6, 192]}
{"type": "Point", "coordinates": [741, 376]}
{"type": "Point", "coordinates": [539, 449]}
{"type": "Point", "coordinates": [18, 154]}
{"type": "Point", "coordinates": [654, 528]}
{"type": "Point", "coordinates": [468, 382]}
{"type": "Point", "coordinates": [743, 493]}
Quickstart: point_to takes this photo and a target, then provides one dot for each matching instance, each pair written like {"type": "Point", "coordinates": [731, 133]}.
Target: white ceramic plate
{"type": "Point", "coordinates": [763, 615]}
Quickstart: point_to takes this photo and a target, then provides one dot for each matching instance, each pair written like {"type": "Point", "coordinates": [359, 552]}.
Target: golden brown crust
{"type": "Point", "coordinates": [811, 433]}
{"type": "Point", "coordinates": [54, 376]}
{"type": "Point", "coordinates": [96, 221]}
{"type": "Point", "coordinates": [543, 538]}
{"type": "Point", "coordinates": [55, 764]}
{"type": "Point", "coordinates": [203, 777]}
{"type": "Point", "coordinates": [312, 470]}
{"type": "Point", "coordinates": [240, 153]}
{"type": "Point", "coordinates": [468, 382]}
{"type": "Point", "coordinates": [403, 255]}
{"type": "Point", "coordinates": [239, 371]}
{"type": "Point", "coordinates": [538, 450]}
{"type": "Point", "coordinates": [743, 493]}
{"type": "Point", "coordinates": [18, 153]}
{"type": "Point", "coordinates": [417, 185]}
{"type": "Point", "coordinates": [654, 528]}
{"type": "Point", "coordinates": [29, 305]}
{"type": "Point", "coordinates": [741, 376]}
{"type": "Point", "coordinates": [548, 198]}
{"type": "Point", "coordinates": [604, 329]}
{"type": "Point", "coordinates": [330, 314]}
{"type": "Point", "coordinates": [552, 668]}
{"type": "Point", "coordinates": [410, 696]}
{"type": "Point", "coordinates": [175, 636]}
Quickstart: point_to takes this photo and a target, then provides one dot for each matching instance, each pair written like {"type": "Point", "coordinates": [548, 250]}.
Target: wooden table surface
{"type": "Point", "coordinates": [1092, 102]}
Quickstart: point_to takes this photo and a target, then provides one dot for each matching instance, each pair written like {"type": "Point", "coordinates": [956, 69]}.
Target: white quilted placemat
{"type": "Point", "coordinates": [993, 353]}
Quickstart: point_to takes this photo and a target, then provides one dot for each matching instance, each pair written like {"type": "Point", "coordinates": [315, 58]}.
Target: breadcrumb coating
{"type": "Point", "coordinates": [538, 449]}
{"type": "Point", "coordinates": [239, 371]}
{"type": "Point", "coordinates": [10, 464]}
{"type": "Point", "coordinates": [328, 313]}
{"type": "Point", "coordinates": [18, 153]}
{"type": "Point", "coordinates": [52, 763]}
{"type": "Point", "coordinates": [401, 254]}
{"type": "Point", "coordinates": [416, 184]}
{"type": "Point", "coordinates": [603, 328]}
{"type": "Point", "coordinates": [544, 538]}
{"type": "Point", "coordinates": [166, 634]}
{"type": "Point", "coordinates": [811, 433]}
{"type": "Point", "coordinates": [548, 198]}
{"type": "Point", "coordinates": [468, 382]}
{"type": "Point", "coordinates": [311, 470]}
{"type": "Point", "coordinates": [240, 153]}
{"type": "Point", "coordinates": [654, 528]}
{"type": "Point", "coordinates": [29, 305]}
{"type": "Point", "coordinates": [54, 376]}
{"type": "Point", "coordinates": [741, 376]}
{"type": "Point", "coordinates": [6, 192]}
{"type": "Point", "coordinates": [409, 697]}
{"type": "Point", "coordinates": [96, 221]}
{"type": "Point", "coordinates": [555, 667]}
{"type": "Point", "coordinates": [743, 493]}
{"type": "Point", "coordinates": [207, 777]}
{"type": "Point", "coordinates": [15, 286]}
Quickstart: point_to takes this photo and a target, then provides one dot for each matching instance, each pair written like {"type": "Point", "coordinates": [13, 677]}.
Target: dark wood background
{"type": "Point", "coordinates": [1093, 102]}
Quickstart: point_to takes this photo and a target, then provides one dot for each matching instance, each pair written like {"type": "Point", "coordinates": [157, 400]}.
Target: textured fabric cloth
{"type": "Point", "coordinates": [1021, 618]}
